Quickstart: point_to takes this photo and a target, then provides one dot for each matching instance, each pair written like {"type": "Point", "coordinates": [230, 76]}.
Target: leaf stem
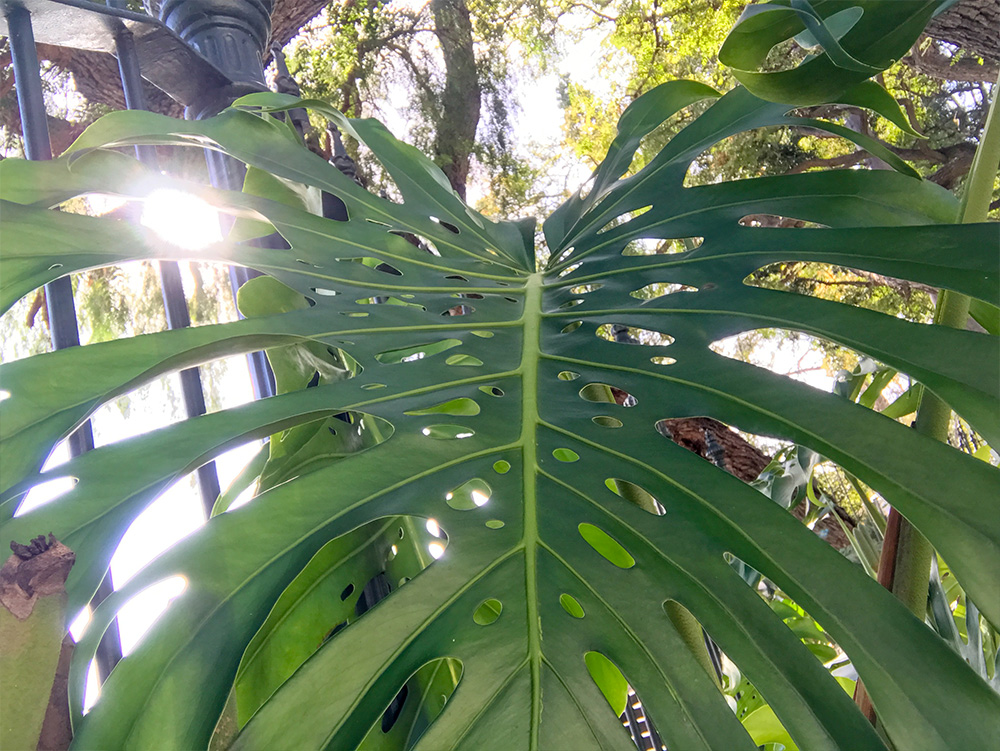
{"type": "Point", "coordinates": [529, 434]}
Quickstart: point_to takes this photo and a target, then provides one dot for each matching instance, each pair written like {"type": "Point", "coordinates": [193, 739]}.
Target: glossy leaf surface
{"type": "Point", "coordinates": [486, 425]}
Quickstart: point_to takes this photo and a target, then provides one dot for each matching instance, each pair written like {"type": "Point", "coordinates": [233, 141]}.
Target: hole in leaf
{"type": "Point", "coordinates": [492, 390]}
{"type": "Point", "coordinates": [624, 219]}
{"type": "Point", "coordinates": [457, 276]}
{"type": "Point", "coordinates": [461, 406]}
{"type": "Point", "coordinates": [653, 247]}
{"type": "Point", "coordinates": [566, 455]}
{"type": "Point", "coordinates": [459, 310]}
{"type": "Point", "coordinates": [782, 222]}
{"type": "Point", "coordinates": [324, 292]}
{"type": "Point", "coordinates": [45, 492]}
{"type": "Point", "coordinates": [571, 605]}
{"type": "Point", "coordinates": [418, 241]}
{"type": "Point", "coordinates": [436, 549]}
{"type": "Point", "coordinates": [371, 386]}
{"type": "Point", "coordinates": [622, 334]}
{"type": "Point", "coordinates": [609, 680]}
{"type": "Point", "coordinates": [353, 314]}
{"type": "Point", "coordinates": [640, 724]}
{"type": "Point", "coordinates": [572, 303]}
{"type": "Point", "coordinates": [494, 524]}
{"type": "Point", "coordinates": [569, 270]}
{"type": "Point", "coordinates": [636, 495]}
{"type": "Point", "coordinates": [606, 545]}
{"type": "Point", "coordinates": [314, 381]}
{"type": "Point", "coordinates": [348, 591]}
{"type": "Point", "coordinates": [660, 289]}
{"type": "Point", "coordinates": [568, 375]}
{"type": "Point", "coordinates": [584, 289]}
{"type": "Point", "coordinates": [388, 301]}
{"type": "Point", "coordinates": [791, 353]}
{"type": "Point", "coordinates": [607, 422]}
{"type": "Point", "coordinates": [501, 467]}
{"type": "Point", "coordinates": [482, 334]}
{"type": "Point", "coordinates": [416, 707]}
{"type": "Point", "coordinates": [570, 327]}
{"type": "Point", "coordinates": [488, 612]}
{"type": "Point", "coordinates": [417, 352]}
{"type": "Point", "coordinates": [896, 297]}
{"type": "Point", "coordinates": [447, 432]}
{"type": "Point", "coordinates": [394, 709]}
{"type": "Point", "coordinates": [446, 225]}
{"type": "Point", "coordinates": [464, 361]}
{"type": "Point", "coordinates": [662, 360]}
{"type": "Point", "coordinates": [602, 392]}
{"type": "Point", "coordinates": [385, 268]}
{"type": "Point", "coordinates": [469, 495]}
{"type": "Point", "coordinates": [562, 256]}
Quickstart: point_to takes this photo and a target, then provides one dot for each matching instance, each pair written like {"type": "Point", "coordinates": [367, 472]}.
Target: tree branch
{"type": "Point", "coordinates": [845, 160]}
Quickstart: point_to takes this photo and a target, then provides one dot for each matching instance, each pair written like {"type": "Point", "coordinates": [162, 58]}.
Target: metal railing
{"type": "Point", "coordinates": [184, 69]}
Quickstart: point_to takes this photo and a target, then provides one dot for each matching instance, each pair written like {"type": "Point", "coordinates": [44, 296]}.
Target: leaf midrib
{"type": "Point", "coordinates": [531, 351]}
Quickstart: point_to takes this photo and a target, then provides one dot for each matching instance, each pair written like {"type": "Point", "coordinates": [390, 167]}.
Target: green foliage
{"type": "Point", "coordinates": [567, 528]}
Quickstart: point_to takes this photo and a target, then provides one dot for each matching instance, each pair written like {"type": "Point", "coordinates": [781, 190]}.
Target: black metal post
{"type": "Point", "coordinates": [174, 301]}
{"type": "Point", "coordinates": [58, 294]}
{"type": "Point", "coordinates": [232, 34]}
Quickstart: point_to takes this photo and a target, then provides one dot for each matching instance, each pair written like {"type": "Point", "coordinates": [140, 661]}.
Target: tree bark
{"type": "Point", "coordinates": [462, 96]}
{"type": "Point", "coordinates": [972, 25]}
{"type": "Point", "coordinates": [931, 62]}
{"type": "Point", "coordinates": [743, 460]}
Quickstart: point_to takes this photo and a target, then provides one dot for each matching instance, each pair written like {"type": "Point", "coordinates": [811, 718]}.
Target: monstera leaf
{"type": "Point", "coordinates": [442, 394]}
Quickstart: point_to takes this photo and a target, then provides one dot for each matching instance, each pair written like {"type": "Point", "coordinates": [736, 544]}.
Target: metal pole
{"type": "Point", "coordinates": [232, 34]}
{"type": "Point", "coordinates": [58, 294]}
{"type": "Point", "coordinates": [174, 301]}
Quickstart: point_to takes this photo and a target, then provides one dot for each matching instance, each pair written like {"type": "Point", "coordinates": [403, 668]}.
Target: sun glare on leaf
{"type": "Point", "coordinates": [181, 219]}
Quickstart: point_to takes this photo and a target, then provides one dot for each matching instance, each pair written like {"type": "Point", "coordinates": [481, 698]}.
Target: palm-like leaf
{"type": "Point", "coordinates": [513, 393]}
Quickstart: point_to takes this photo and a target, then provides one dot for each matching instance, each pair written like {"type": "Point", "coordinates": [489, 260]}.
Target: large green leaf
{"type": "Point", "coordinates": [545, 563]}
{"type": "Point", "coordinates": [851, 40]}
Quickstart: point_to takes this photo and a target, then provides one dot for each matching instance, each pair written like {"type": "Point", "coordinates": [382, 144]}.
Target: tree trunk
{"type": "Point", "coordinates": [727, 449]}
{"type": "Point", "coordinates": [973, 25]}
{"type": "Point", "coordinates": [460, 101]}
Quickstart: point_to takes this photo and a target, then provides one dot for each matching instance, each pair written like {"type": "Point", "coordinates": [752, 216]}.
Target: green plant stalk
{"type": "Point", "coordinates": [913, 551]}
